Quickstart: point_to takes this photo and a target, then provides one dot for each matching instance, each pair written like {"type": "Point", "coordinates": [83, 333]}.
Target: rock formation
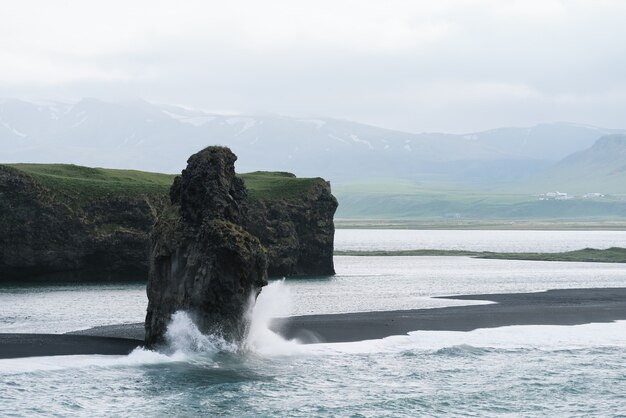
{"type": "Point", "coordinates": [43, 232]}
{"type": "Point", "coordinates": [203, 260]}
{"type": "Point", "coordinates": [298, 231]}
{"type": "Point", "coordinates": [83, 227]}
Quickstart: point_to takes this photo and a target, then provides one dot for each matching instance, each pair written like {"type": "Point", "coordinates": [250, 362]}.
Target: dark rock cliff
{"type": "Point", "coordinates": [41, 234]}
{"type": "Point", "coordinates": [297, 232]}
{"type": "Point", "coordinates": [203, 260]}
{"type": "Point", "coordinates": [49, 225]}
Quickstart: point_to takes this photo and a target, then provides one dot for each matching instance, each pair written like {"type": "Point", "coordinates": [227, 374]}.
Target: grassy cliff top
{"type": "Point", "coordinates": [276, 184]}
{"type": "Point", "coordinates": [80, 183]}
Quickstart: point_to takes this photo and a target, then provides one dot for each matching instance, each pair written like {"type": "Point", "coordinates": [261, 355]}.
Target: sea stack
{"type": "Point", "coordinates": [203, 261]}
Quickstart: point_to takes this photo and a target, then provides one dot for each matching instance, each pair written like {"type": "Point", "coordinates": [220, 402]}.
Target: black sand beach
{"type": "Point", "coordinates": [35, 345]}
{"type": "Point", "coordinates": [554, 307]}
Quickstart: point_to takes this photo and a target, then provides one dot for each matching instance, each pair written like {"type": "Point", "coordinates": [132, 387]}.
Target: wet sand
{"type": "Point", "coordinates": [554, 307]}
{"type": "Point", "coordinates": [35, 345]}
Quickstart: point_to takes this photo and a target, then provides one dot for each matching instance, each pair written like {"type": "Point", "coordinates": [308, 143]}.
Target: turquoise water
{"type": "Point", "coordinates": [529, 371]}
{"type": "Point", "coordinates": [516, 371]}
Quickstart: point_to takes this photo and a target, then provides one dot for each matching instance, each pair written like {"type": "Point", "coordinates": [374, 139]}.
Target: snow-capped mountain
{"type": "Point", "coordinates": [152, 137]}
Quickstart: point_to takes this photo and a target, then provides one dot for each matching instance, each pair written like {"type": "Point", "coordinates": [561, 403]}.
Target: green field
{"type": "Point", "coordinates": [276, 185]}
{"type": "Point", "coordinates": [401, 201]}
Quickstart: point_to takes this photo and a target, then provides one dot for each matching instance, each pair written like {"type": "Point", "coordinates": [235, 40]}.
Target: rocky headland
{"type": "Point", "coordinates": [203, 260]}
{"type": "Point", "coordinates": [63, 221]}
{"type": "Point", "coordinates": [296, 226]}
{"type": "Point", "coordinates": [54, 224]}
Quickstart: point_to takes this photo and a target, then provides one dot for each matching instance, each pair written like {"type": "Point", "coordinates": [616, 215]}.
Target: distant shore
{"type": "Point", "coordinates": [508, 225]}
{"type": "Point", "coordinates": [591, 255]}
{"type": "Point", "coordinates": [554, 307]}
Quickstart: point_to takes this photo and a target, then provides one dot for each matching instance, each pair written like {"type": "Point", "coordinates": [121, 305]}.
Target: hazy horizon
{"type": "Point", "coordinates": [446, 66]}
{"type": "Point", "coordinates": [258, 113]}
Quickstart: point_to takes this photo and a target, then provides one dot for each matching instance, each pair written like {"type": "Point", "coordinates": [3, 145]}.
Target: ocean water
{"type": "Point", "coordinates": [508, 371]}
{"type": "Point", "coordinates": [361, 284]}
{"type": "Point", "coordinates": [495, 240]}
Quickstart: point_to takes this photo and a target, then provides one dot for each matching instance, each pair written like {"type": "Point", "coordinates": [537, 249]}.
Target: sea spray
{"type": "Point", "coordinates": [203, 260]}
{"type": "Point", "coordinates": [183, 336]}
{"type": "Point", "coordinates": [514, 338]}
{"type": "Point", "coordinates": [272, 305]}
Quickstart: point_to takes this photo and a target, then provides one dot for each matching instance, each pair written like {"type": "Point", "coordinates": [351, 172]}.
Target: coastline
{"type": "Point", "coordinates": [585, 255]}
{"type": "Point", "coordinates": [37, 345]}
{"type": "Point", "coordinates": [552, 307]}
{"type": "Point", "coordinates": [484, 225]}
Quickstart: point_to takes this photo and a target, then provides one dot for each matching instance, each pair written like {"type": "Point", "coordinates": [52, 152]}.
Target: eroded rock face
{"type": "Point", "coordinates": [203, 260]}
{"type": "Point", "coordinates": [48, 234]}
{"type": "Point", "coordinates": [298, 233]}
{"type": "Point", "coordinates": [40, 235]}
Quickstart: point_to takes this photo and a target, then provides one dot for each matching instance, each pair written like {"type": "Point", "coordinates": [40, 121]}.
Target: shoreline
{"type": "Point", "coordinates": [38, 345]}
{"type": "Point", "coordinates": [552, 307]}
{"type": "Point", "coordinates": [484, 225]}
{"type": "Point", "coordinates": [585, 255]}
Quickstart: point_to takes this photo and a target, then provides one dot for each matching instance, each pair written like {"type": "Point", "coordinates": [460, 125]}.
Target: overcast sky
{"type": "Point", "coordinates": [439, 65]}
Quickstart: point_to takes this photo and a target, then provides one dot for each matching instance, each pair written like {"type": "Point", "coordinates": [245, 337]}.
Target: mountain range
{"type": "Point", "coordinates": [599, 168]}
{"type": "Point", "coordinates": [140, 135]}
{"type": "Point", "coordinates": [152, 137]}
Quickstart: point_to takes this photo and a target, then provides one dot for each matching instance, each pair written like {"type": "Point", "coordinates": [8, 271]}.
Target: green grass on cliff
{"type": "Point", "coordinates": [276, 185]}
{"type": "Point", "coordinates": [78, 184]}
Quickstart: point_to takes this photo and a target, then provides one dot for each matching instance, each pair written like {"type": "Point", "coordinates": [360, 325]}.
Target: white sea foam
{"type": "Point", "coordinates": [264, 342]}
{"type": "Point", "coordinates": [186, 343]}
{"type": "Point", "coordinates": [274, 301]}
{"type": "Point", "coordinates": [540, 337]}
{"type": "Point", "coordinates": [183, 337]}
{"type": "Point", "coordinates": [138, 357]}
{"type": "Point", "coordinates": [183, 341]}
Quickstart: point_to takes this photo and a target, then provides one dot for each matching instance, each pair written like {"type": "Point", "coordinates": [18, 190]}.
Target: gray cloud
{"type": "Point", "coordinates": [455, 66]}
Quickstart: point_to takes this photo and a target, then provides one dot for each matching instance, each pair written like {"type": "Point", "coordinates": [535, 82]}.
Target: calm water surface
{"type": "Point", "coordinates": [521, 370]}
{"type": "Point", "coordinates": [361, 284]}
{"type": "Point", "coordinates": [505, 241]}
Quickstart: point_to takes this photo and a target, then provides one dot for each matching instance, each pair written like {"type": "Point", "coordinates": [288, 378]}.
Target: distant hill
{"type": "Point", "coordinates": [591, 183]}
{"type": "Point", "coordinates": [144, 136]}
{"type": "Point", "coordinates": [403, 201]}
{"type": "Point", "coordinates": [598, 169]}
{"type": "Point", "coordinates": [375, 172]}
